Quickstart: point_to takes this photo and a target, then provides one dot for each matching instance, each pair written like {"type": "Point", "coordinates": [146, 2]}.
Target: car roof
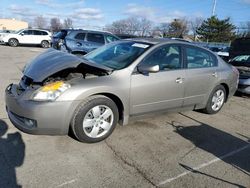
{"type": "Point", "coordinates": [91, 31]}
{"type": "Point", "coordinates": [157, 40]}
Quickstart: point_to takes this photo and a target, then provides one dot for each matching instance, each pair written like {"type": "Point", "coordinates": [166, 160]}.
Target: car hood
{"type": "Point", "coordinates": [53, 61]}
{"type": "Point", "coordinates": [9, 35]}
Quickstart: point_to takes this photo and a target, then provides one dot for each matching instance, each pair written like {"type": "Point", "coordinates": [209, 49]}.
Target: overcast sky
{"type": "Point", "coordinates": [87, 13]}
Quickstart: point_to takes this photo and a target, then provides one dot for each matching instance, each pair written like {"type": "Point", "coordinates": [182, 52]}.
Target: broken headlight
{"type": "Point", "coordinates": [51, 91]}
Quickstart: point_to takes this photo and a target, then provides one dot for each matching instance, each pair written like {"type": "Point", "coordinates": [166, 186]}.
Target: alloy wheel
{"type": "Point", "coordinates": [98, 121]}
{"type": "Point", "coordinates": [218, 100]}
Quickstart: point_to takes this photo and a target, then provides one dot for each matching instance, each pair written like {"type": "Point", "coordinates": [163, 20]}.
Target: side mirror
{"type": "Point", "coordinates": [21, 34]}
{"type": "Point", "coordinates": [146, 69]}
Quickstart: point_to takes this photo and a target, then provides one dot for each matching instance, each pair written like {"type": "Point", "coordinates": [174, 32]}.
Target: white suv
{"type": "Point", "coordinates": [28, 36]}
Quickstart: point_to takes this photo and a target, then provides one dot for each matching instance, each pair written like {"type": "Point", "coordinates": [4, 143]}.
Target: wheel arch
{"type": "Point", "coordinates": [118, 102]}
{"type": "Point", "coordinates": [227, 90]}
{"type": "Point", "coordinates": [13, 38]}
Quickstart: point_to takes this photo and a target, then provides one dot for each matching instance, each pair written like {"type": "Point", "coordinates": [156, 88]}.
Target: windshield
{"type": "Point", "coordinates": [118, 55]}
{"type": "Point", "coordinates": [18, 31]}
{"type": "Point", "coordinates": [242, 58]}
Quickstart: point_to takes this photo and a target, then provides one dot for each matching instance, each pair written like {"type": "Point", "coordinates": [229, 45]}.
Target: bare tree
{"type": "Point", "coordinates": [55, 24]}
{"type": "Point", "coordinates": [68, 23]}
{"type": "Point", "coordinates": [194, 25]}
{"type": "Point", "coordinates": [40, 22]}
{"type": "Point", "coordinates": [131, 26]}
{"type": "Point", "coordinates": [125, 26]}
{"type": "Point", "coordinates": [162, 28]}
{"type": "Point", "coordinates": [145, 26]}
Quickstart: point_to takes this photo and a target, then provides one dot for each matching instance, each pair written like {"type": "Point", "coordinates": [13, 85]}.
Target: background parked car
{"type": "Point", "coordinates": [81, 42]}
{"type": "Point", "coordinates": [224, 53]}
{"type": "Point", "coordinates": [57, 39]}
{"type": "Point", "coordinates": [28, 36]}
{"type": "Point", "coordinates": [240, 46]}
{"type": "Point", "coordinates": [242, 63]}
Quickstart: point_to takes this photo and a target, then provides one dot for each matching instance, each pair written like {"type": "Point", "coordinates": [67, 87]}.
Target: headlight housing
{"type": "Point", "coordinates": [51, 91]}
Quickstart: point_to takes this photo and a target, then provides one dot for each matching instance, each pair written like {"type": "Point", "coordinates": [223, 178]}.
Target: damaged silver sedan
{"type": "Point", "coordinates": [90, 95]}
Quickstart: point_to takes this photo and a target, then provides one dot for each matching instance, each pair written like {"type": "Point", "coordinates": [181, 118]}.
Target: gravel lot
{"type": "Point", "coordinates": [188, 149]}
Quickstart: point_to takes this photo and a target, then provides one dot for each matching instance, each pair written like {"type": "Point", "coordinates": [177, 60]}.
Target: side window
{"type": "Point", "coordinates": [27, 32]}
{"type": "Point", "coordinates": [37, 32]}
{"type": "Point", "coordinates": [198, 58]}
{"type": "Point", "coordinates": [80, 36]}
{"type": "Point", "coordinates": [44, 33]}
{"type": "Point", "coordinates": [167, 57]}
{"type": "Point", "coordinates": [94, 37]}
{"type": "Point", "coordinates": [110, 38]}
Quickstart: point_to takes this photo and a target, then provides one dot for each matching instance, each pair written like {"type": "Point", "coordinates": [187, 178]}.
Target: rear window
{"type": "Point", "coordinates": [94, 37]}
{"type": "Point", "coordinates": [198, 58]}
{"type": "Point", "coordinates": [40, 32]}
{"type": "Point", "coordinates": [110, 38]}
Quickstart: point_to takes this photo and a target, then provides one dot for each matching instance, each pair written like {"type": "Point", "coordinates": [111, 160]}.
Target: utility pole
{"type": "Point", "coordinates": [214, 7]}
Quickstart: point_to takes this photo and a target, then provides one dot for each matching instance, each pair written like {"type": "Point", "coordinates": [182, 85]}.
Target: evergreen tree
{"type": "Point", "coordinates": [215, 30]}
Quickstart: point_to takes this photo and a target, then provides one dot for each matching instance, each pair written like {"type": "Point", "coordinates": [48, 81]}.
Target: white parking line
{"type": "Point", "coordinates": [36, 50]}
{"type": "Point", "coordinates": [204, 165]}
{"type": "Point", "coordinates": [66, 183]}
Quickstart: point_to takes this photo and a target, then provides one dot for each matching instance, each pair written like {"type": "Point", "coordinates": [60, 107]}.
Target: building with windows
{"type": "Point", "coordinates": [12, 24]}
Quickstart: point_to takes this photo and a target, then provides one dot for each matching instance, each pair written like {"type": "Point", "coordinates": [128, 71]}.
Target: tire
{"type": "Point", "coordinates": [94, 119]}
{"type": "Point", "coordinates": [216, 100]}
{"type": "Point", "coordinates": [45, 44]}
{"type": "Point", "coordinates": [13, 42]}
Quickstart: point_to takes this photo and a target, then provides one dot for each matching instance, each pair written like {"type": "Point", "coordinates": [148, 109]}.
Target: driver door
{"type": "Point", "coordinates": [162, 90]}
{"type": "Point", "coordinates": [26, 37]}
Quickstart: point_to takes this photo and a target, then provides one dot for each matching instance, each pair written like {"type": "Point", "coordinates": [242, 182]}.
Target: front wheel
{"type": "Point", "coordinates": [216, 100]}
{"type": "Point", "coordinates": [13, 42]}
{"type": "Point", "coordinates": [95, 119]}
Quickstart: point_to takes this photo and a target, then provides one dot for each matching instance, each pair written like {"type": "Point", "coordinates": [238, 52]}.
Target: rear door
{"type": "Point", "coordinates": [202, 74]}
{"type": "Point", "coordinates": [161, 90]}
{"type": "Point", "coordinates": [78, 42]}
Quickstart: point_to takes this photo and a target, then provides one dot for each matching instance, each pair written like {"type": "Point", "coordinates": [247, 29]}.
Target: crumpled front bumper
{"type": "Point", "coordinates": [47, 118]}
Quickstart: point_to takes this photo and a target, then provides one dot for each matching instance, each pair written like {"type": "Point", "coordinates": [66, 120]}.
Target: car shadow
{"type": "Point", "coordinates": [12, 153]}
{"type": "Point", "coordinates": [228, 148]}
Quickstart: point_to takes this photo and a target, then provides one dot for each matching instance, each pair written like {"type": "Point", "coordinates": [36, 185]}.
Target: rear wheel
{"type": "Point", "coordinates": [13, 42]}
{"type": "Point", "coordinates": [95, 119]}
{"type": "Point", "coordinates": [216, 100]}
{"type": "Point", "coordinates": [45, 44]}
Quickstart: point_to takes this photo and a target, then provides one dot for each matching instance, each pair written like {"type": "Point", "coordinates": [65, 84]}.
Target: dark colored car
{"type": "Point", "coordinates": [126, 36]}
{"type": "Point", "coordinates": [242, 63]}
{"type": "Point", "coordinates": [81, 42]}
{"type": "Point", "coordinates": [240, 46]}
{"type": "Point", "coordinates": [58, 38]}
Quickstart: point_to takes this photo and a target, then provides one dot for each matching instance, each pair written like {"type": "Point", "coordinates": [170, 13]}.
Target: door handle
{"type": "Point", "coordinates": [179, 80]}
{"type": "Point", "coordinates": [214, 74]}
{"type": "Point", "coordinates": [78, 44]}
